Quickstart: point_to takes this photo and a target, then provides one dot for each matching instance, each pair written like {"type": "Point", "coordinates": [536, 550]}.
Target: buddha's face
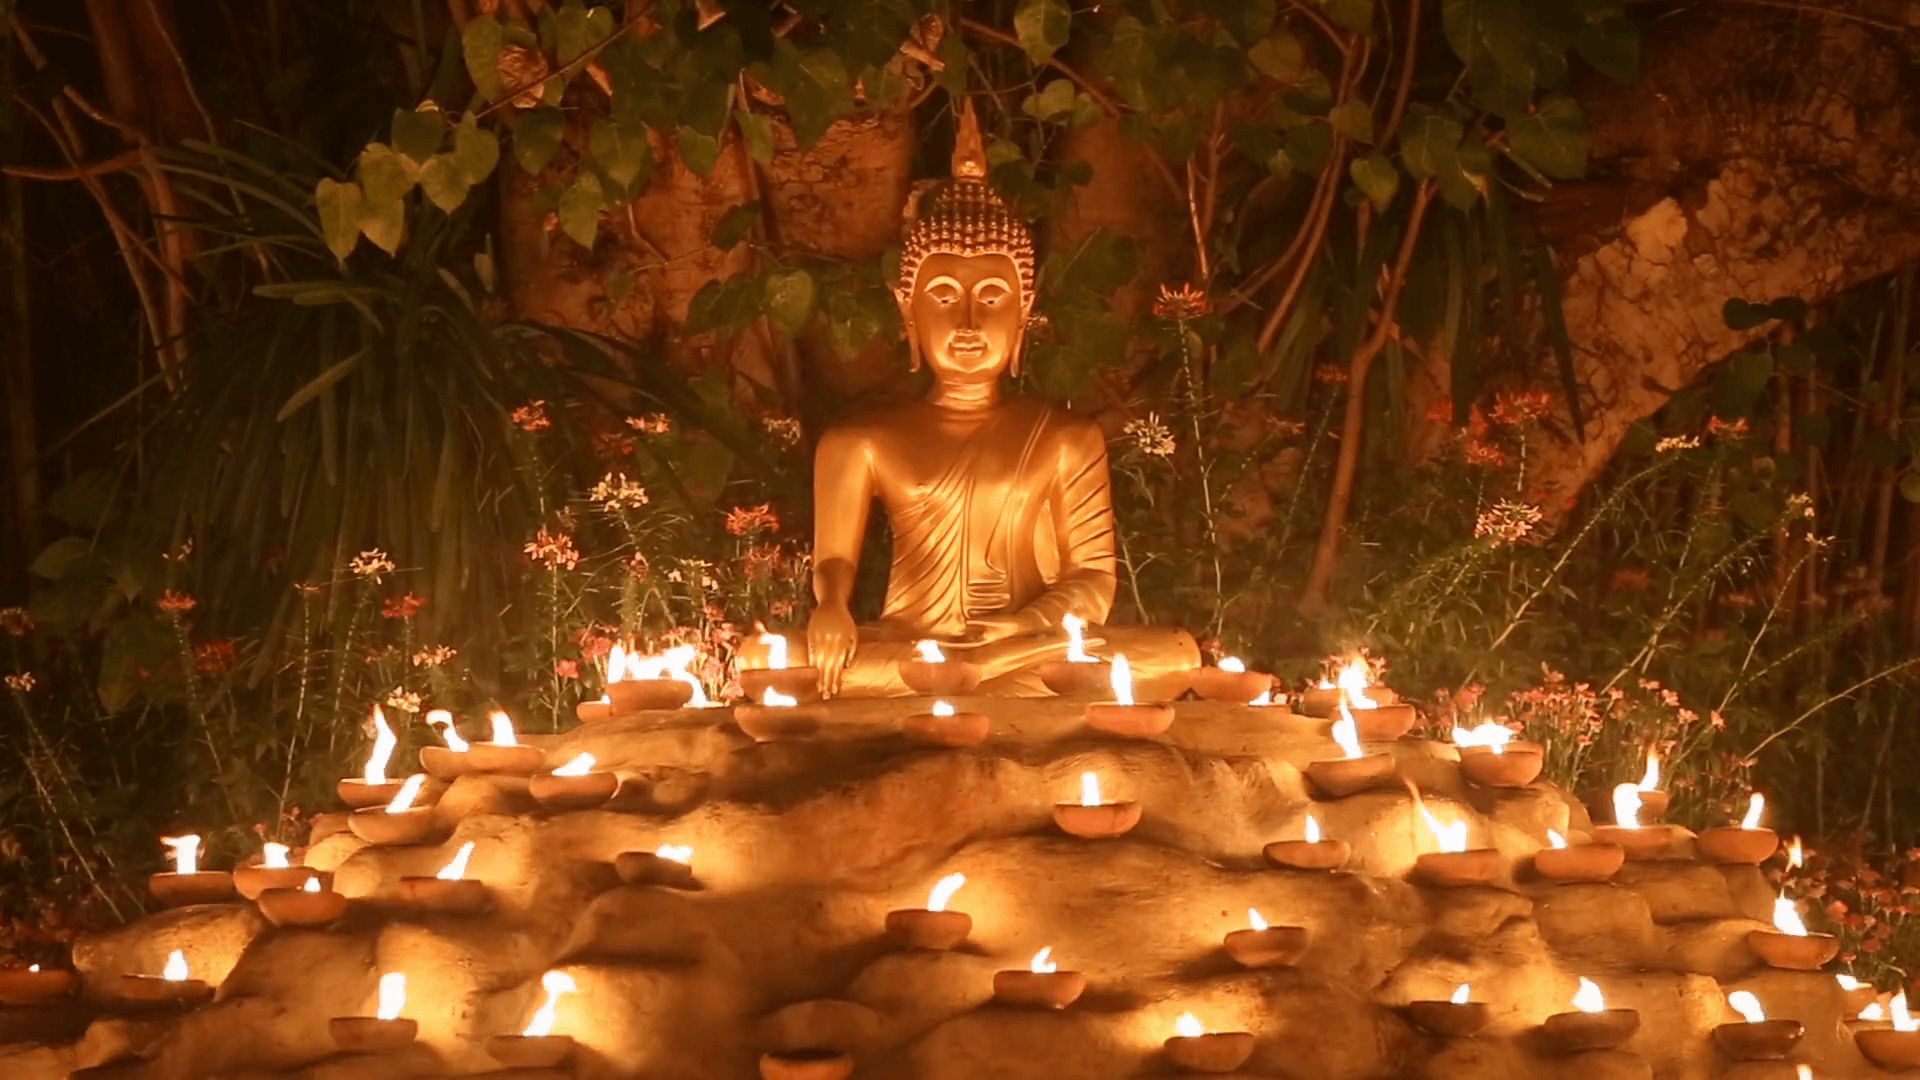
{"type": "Point", "coordinates": [966, 313]}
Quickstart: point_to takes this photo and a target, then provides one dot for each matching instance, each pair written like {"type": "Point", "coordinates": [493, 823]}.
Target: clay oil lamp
{"type": "Point", "coordinates": [932, 927]}
{"type": "Point", "coordinates": [1855, 995]}
{"type": "Point", "coordinates": [930, 672]}
{"type": "Point", "coordinates": [1897, 1047]}
{"type": "Point", "coordinates": [1311, 853]}
{"type": "Point", "coordinates": [1788, 945]}
{"type": "Point", "coordinates": [503, 755]}
{"type": "Point", "coordinates": [576, 785]}
{"type": "Point", "coordinates": [1455, 1018]}
{"type": "Point", "coordinates": [309, 907]}
{"type": "Point", "coordinates": [373, 788]}
{"type": "Point", "coordinates": [1592, 1026]}
{"type": "Point", "coordinates": [1639, 841]}
{"type": "Point", "coordinates": [1653, 801]}
{"type": "Point", "coordinates": [801, 683]}
{"type": "Point", "coordinates": [1123, 716]}
{"type": "Point", "coordinates": [173, 986]}
{"type": "Point", "coordinates": [1262, 945]}
{"type": "Point", "coordinates": [386, 1029]}
{"type": "Point", "coordinates": [777, 716]}
{"type": "Point", "coordinates": [1194, 1047]}
{"type": "Point", "coordinates": [1324, 701]}
{"type": "Point", "coordinates": [34, 985]}
{"type": "Point", "coordinates": [538, 1047]}
{"type": "Point", "coordinates": [399, 822]}
{"type": "Point", "coordinates": [1756, 1038]}
{"type": "Point", "coordinates": [1041, 986]}
{"type": "Point", "coordinates": [1091, 817]}
{"type": "Point", "coordinates": [450, 891]}
{"type": "Point", "coordinates": [641, 683]}
{"type": "Point", "coordinates": [187, 883]}
{"type": "Point", "coordinates": [1454, 864]}
{"type": "Point", "coordinates": [1489, 756]}
{"type": "Point", "coordinates": [943, 726]}
{"type": "Point", "coordinates": [274, 871]}
{"type": "Point", "coordinates": [1081, 674]}
{"type": "Point", "coordinates": [449, 761]}
{"type": "Point", "coordinates": [1231, 681]}
{"type": "Point", "coordinates": [669, 866]}
{"type": "Point", "coordinates": [1748, 844]}
{"type": "Point", "coordinates": [1588, 862]}
{"type": "Point", "coordinates": [1358, 771]}
{"type": "Point", "coordinates": [808, 1063]}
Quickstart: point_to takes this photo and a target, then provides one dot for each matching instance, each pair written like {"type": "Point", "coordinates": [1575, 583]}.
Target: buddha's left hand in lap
{"type": "Point", "coordinates": [999, 626]}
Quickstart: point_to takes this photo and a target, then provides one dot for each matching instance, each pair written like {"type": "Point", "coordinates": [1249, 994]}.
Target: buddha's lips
{"type": "Point", "coordinates": [969, 348]}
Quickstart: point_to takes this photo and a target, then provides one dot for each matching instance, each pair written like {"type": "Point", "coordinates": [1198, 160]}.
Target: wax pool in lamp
{"type": "Point", "coordinates": [175, 985]}
{"type": "Point", "coordinates": [1081, 674]}
{"type": "Point", "coordinates": [1591, 1026]}
{"type": "Point", "coordinates": [1628, 832]}
{"type": "Point", "coordinates": [372, 788]}
{"type": "Point", "coordinates": [1263, 945]}
{"type": "Point", "coordinates": [1356, 771]}
{"type": "Point", "coordinates": [576, 785]}
{"type": "Point", "coordinates": [274, 871]}
{"type": "Point", "coordinates": [1454, 863]}
{"type": "Point", "coordinates": [1748, 843]}
{"type": "Point", "coordinates": [1041, 986]}
{"type": "Point", "coordinates": [1490, 757]}
{"type": "Point", "coordinates": [1789, 945]}
{"type": "Point", "coordinates": [798, 681]}
{"type": "Point", "coordinates": [450, 891]}
{"type": "Point", "coordinates": [1195, 1048]}
{"type": "Point", "coordinates": [386, 1029]}
{"type": "Point", "coordinates": [931, 671]}
{"type": "Point", "coordinates": [538, 1047]}
{"type": "Point", "coordinates": [943, 725]}
{"type": "Point", "coordinates": [1230, 680]}
{"type": "Point", "coordinates": [1756, 1038]}
{"type": "Point", "coordinates": [1454, 1018]}
{"type": "Point", "coordinates": [1896, 1047]}
{"type": "Point", "coordinates": [1093, 817]}
{"type": "Point", "coordinates": [187, 883]}
{"type": "Point", "coordinates": [1587, 862]}
{"type": "Point", "coordinates": [932, 927]}
{"type": "Point", "coordinates": [1123, 715]}
{"type": "Point", "coordinates": [1311, 852]}
{"type": "Point", "coordinates": [504, 755]}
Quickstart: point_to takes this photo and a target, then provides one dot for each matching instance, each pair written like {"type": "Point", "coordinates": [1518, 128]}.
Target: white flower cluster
{"type": "Point", "coordinates": [1676, 442]}
{"type": "Point", "coordinates": [616, 492]}
{"type": "Point", "coordinates": [22, 682]}
{"type": "Point", "coordinates": [404, 700]}
{"type": "Point", "coordinates": [1507, 521]}
{"type": "Point", "coordinates": [372, 563]}
{"type": "Point", "coordinates": [435, 656]}
{"type": "Point", "coordinates": [784, 429]}
{"type": "Point", "coordinates": [1150, 435]}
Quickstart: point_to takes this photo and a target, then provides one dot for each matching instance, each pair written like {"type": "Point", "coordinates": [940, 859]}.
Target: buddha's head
{"type": "Point", "coordinates": [966, 275]}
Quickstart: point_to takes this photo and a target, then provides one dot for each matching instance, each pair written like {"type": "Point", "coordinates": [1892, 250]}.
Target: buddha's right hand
{"type": "Point", "coordinates": [831, 636]}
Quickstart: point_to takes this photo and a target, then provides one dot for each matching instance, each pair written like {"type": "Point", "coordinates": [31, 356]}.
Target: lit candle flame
{"type": "Point", "coordinates": [1089, 789]}
{"type": "Point", "coordinates": [1756, 806]}
{"type": "Point", "coordinates": [1255, 919]}
{"type": "Point", "coordinates": [579, 766]}
{"type": "Point", "coordinates": [943, 891]}
{"type": "Point", "coordinates": [502, 728]}
{"type": "Point", "coordinates": [457, 868]}
{"type": "Point", "coordinates": [682, 853]}
{"type": "Point", "coordinates": [1265, 698]}
{"type": "Point", "coordinates": [1747, 1006]}
{"type": "Point", "coordinates": [1626, 806]}
{"type": "Point", "coordinates": [1589, 999]}
{"type": "Point", "coordinates": [1451, 836]}
{"type": "Point", "coordinates": [1347, 733]}
{"type": "Point", "coordinates": [1897, 1010]}
{"type": "Point", "coordinates": [1042, 962]}
{"type": "Point", "coordinates": [441, 720]}
{"type": "Point", "coordinates": [186, 853]}
{"type": "Point", "coordinates": [273, 856]}
{"type": "Point", "coordinates": [1650, 780]}
{"type": "Point", "coordinates": [33, 968]}
{"type": "Point", "coordinates": [1462, 994]}
{"type": "Point", "coordinates": [1233, 664]}
{"type": "Point", "coordinates": [1554, 839]}
{"type": "Point", "coordinates": [1352, 681]}
{"type": "Point", "coordinates": [775, 697]}
{"type": "Point", "coordinates": [409, 791]}
{"type": "Point", "coordinates": [1786, 917]}
{"type": "Point", "coordinates": [176, 969]}
{"type": "Point", "coordinates": [384, 743]}
{"type": "Point", "coordinates": [776, 650]}
{"type": "Point", "coordinates": [1803, 1072]}
{"type": "Point", "coordinates": [1121, 679]}
{"type": "Point", "coordinates": [1076, 639]}
{"type": "Point", "coordinates": [312, 885]}
{"type": "Point", "coordinates": [393, 995]}
{"type": "Point", "coordinates": [1874, 1011]}
{"type": "Point", "coordinates": [555, 983]}
{"type": "Point", "coordinates": [1796, 855]}
{"type": "Point", "coordinates": [1848, 982]}
{"type": "Point", "coordinates": [1188, 1026]}
{"type": "Point", "coordinates": [941, 708]}
{"type": "Point", "coordinates": [1493, 736]}
{"type": "Point", "coordinates": [616, 664]}
{"type": "Point", "coordinates": [676, 660]}
{"type": "Point", "coordinates": [930, 652]}
{"type": "Point", "coordinates": [1313, 830]}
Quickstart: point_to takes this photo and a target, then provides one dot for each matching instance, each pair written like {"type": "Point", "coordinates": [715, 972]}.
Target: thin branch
{"type": "Point", "coordinates": [1862, 684]}
{"type": "Point", "coordinates": [1313, 14]}
{"type": "Point", "coordinates": [1406, 73]}
{"type": "Point", "coordinates": [569, 69]}
{"type": "Point", "coordinates": [995, 34]}
{"type": "Point", "coordinates": [120, 162]}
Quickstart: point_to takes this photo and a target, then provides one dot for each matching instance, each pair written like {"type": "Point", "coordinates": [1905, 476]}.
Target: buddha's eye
{"type": "Point", "coordinates": [992, 293]}
{"type": "Point", "coordinates": [944, 294]}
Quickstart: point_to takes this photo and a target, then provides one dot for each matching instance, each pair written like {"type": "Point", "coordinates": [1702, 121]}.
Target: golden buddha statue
{"type": "Point", "coordinates": [1000, 506]}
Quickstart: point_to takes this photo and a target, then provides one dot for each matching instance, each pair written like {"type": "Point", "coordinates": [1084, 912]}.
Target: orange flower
{"type": "Point", "coordinates": [566, 669]}
{"type": "Point", "coordinates": [213, 657]}
{"type": "Point", "coordinates": [1330, 374]}
{"type": "Point", "coordinates": [1484, 453]}
{"type": "Point", "coordinates": [553, 550]}
{"type": "Point", "coordinates": [1183, 303]}
{"type": "Point", "coordinates": [1519, 407]}
{"type": "Point", "coordinates": [752, 520]}
{"type": "Point", "coordinates": [402, 606]}
{"type": "Point", "coordinates": [532, 416]}
{"type": "Point", "coordinates": [175, 602]}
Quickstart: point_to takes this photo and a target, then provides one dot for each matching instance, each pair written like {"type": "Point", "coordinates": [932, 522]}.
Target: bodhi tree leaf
{"type": "Point", "coordinates": [735, 224]}
{"type": "Point", "coordinates": [620, 150]}
{"type": "Point", "coordinates": [418, 134]}
{"type": "Point", "coordinates": [1352, 119]}
{"type": "Point", "coordinates": [580, 209]}
{"type": "Point", "coordinates": [481, 41]}
{"type": "Point", "coordinates": [576, 29]}
{"type": "Point", "coordinates": [385, 176]}
{"type": "Point", "coordinates": [1377, 177]}
{"type": "Point", "coordinates": [1053, 102]}
{"type": "Point", "coordinates": [789, 299]}
{"type": "Point", "coordinates": [1552, 139]}
{"type": "Point", "coordinates": [536, 136]}
{"type": "Point", "coordinates": [699, 152]}
{"type": "Point", "coordinates": [384, 223]}
{"type": "Point", "coordinates": [444, 182]}
{"type": "Point", "coordinates": [1429, 141]}
{"type": "Point", "coordinates": [1281, 56]}
{"type": "Point", "coordinates": [757, 130]}
{"type": "Point", "coordinates": [476, 149]}
{"type": "Point", "coordinates": [1041, 26]}
{"type": "Point", "coordinates": [1355, 15]}
{"type": "Point", "coordinates": [339, 206]}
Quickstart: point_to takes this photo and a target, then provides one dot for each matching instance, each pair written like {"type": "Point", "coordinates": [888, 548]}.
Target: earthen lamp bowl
{"type": "Point", "coordinates": [154, 990]}
{"type": "Point", "coordinates": [1143, 720]}
{"type": "Point", "coordinates": [359, 794]}
{"type": "Point", "coordinates": [809, 1064]}
{"type": "Point", "coordinates": [1215, 1052]}
{"type": "Point", "coordinates": [1076, 679]}
{"type": "Point", "coordinates": [459, 896]}
{"type": "Point", "coordinates": [767, 723]}
{"type": "Point", "coordinates": [799, 683]}
{"type": "Point", "coordinates": [1324, 702]}
{"type": "Point", "coordinates": [948, 678]}
{"type": "Point", "coordinates": [1793, 952]}
{"type": "Point", "coordinates": [251, 881]}
{"type": "Point", "coordinates": [1857, 999]}
{"type": "Point", "coordinates": [1516, 765]}
{"type": "Point", "coordinates": [592, 712]}
{"type": "Point", "coordinates": [1215, 684]}
{"type": "Point", "coordinates": [1582, 862]}
{"type": "Point", "coordinates": [370, 1033]}
{"type": "Point", "coordinates": [18, 986]}
{"type": "Point", "coordinates": [443, 763]}
{"type": "Point", "coordinates": [515, 760]}
{"type": "Point", "coordinates": [1308, 855]}
{"type": "Point", "coordinates": [573, 792]}
{"type": "Point", "coordinates": [1738, 846]}
{"type": "Point", "coordinates": [1448, 1019]}
{"type": "Point", "coordinates": [1579, 1031]}
{"type": "Point", "coordinates": [1383, 723]}
{"type": "Point", "coordinates": [297, 909]}
{"type": "Point", "coordinates": [530, 1051]}
{"type": "Point", "coordinates": [201, 887]}
{"type": "Point", "coordinates": [1337, 778]}
{"type": "Point", "coordinates": [1769, 1040]}
{"type": "Point", "coordinates": [1645, 842]}
{"type": "Point", "coordinates": [1038, 989]}
{"type": "Point", "coordinates": [1276, 946]}
{"type": "Point", "coordinates": [647, 868]}
{"type": "Point", "coordinates": [640, 695]}
{"type": "Point", "coordinates": [1888, 1048]}
{"type": "Point", "coordinates": [959, 730]}
{"type": "Point", "coordinates": [935, 931]}
{"type": "Point", "coordinates": [1105, 820]}
{"type": "Point", "coordinates": [414, 825]}
{"type": "Point", "coordinates": [1453, 868]}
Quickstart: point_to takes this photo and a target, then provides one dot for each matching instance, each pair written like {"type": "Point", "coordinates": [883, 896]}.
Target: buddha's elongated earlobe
{"type": "Point", "coordinates": [905, 300]}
